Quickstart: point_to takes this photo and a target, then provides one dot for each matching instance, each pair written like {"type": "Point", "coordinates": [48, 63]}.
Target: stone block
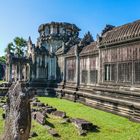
{"type": "Point", "coordinates": [40, 118]}
{"type": "Point", "coordinates": [39, 104]}
{"type": "Point", "coordinates": [34, 104]}
{"type": "Point", "coordinates": [60, 114]}
{"type": "Point", "coordinates": [65, 120]}
{"type": "Point", "coordinates": [53, 132]}
{"type": "Point", "coordinates": [50, 110]}
{"type": "Point", "coordinates": [82, 124]}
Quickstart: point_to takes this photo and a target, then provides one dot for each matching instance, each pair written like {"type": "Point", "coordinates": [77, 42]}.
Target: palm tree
{"type": "Point", "coordinates": [20, 46]}
{"type": "Point", "coordinates": [2, 59]}
{"type": "Point", "coordinates": [10, 48]}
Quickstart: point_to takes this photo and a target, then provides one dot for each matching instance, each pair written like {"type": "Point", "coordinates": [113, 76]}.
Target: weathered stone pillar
{"type": "Point", "coordinates": [77, 70]}
{"type": "Point", "coordinates": [50, 70]}
{"type": "Point", "coordinates": [16, 73]}
{"type": "Point", "coordinates": [7, 72]}
{"type": "Point", "coordinates": [64, 70]}
{"type": "Point", "coordinates": [10, 73]}
{"type": "Point", "coordinates": [132, 72]}
{"type": "Point", "coordinates": [18, 115]}
{"type": "Point", "coordinates": [88, 70]}
{"type": "Point", "coordinates": [37, 71]}
{"type": "Point", "coordinates": [20, 71]}
{"type": "Point", "coordinates": [46, 66]}
{"type": "Point", "coordinates": [55, 67]}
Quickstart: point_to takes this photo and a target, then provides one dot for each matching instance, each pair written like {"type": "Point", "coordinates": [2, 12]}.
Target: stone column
{"type": "Point", "coordinates": [117, 70]}
{"type": "Point", "coordinates": [77, 70]}
{"type": "Point", "coordinates": [16, 73]}
{"type": "Point", "coordinates": [55, 67]}
{"type": "Point", "coordinates": [88, 70]}
{"type": "Point", "coordinates": [46, 67]}
{"type": "Point", "coordinates": [64, 70]}
{"type": "Point", "coordinates": [50, 68]}
{"type": "Point", "coordinates": [10, 73]}
{"type": "Point", "coordinates": [29, 72]}
{"type": "Point", "coordinates": [7, 72]}
{"type": "Point", "coordinates": [132, 72]}
{"type": "Point", "coordinates": [37, 69]}
{"type": "Point", "coordinates": [20, 72]}
{"type": "Point", "coordinates": [25, 72]}
{"type": "Point", "coordinates": [32, 71]}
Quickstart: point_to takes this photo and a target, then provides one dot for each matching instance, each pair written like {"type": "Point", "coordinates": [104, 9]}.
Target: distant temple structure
{"type": "Point", "coordinates": [2, 70]}
{"type": "Point", "coordinates": [104, 73]}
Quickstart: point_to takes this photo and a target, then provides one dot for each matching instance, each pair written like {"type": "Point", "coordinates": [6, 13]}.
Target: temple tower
{"type": "Point", "coordinates": [54, 36]}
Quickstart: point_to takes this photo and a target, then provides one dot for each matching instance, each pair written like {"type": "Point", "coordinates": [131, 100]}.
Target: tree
{"type": "Point", "coordinates": [2, 59]}
{"type": "Point", "coordinates": [87, 39]}
{"type": "Point", "coordinates": [107, 28]}
{"type": "Point", "coordinates": [10, 48]}
{"type": "Point", "coordinates": [18, 46]}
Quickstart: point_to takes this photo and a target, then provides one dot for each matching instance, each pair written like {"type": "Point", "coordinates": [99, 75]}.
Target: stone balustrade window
{"type": "Point", "coordinates": [84, 70]}
{"type": "Point", "coordinates": [84, 76]}
{"type": "Point", "coordinates": [93, 76]}
{"type": "Point", "coordinates": [125, 72]}
{"type": "Point", "coordinates": [110, 72]}
{"type": "Point", "coordinates": [93, 70]}
{"type": "Point", "coordinates": [137, 72]}
{"type": "Point", "coordinates": [71, 69]}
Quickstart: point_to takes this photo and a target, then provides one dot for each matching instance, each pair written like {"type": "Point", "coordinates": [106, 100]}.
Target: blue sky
{"type": "Point", "coordinates": [22, 17]}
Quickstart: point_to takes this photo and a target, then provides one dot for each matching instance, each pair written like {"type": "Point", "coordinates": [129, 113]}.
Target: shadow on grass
{"type": "Point", "coordinates": [95, 129]}
{"type": "Point", "coordinates": [49, 124]}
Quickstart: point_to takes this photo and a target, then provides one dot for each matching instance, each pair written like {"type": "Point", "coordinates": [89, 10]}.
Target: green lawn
{"type": "Point", "coordinates": [112, 127]}
{"type": "Point", "coordinates": [1, 124]}
{"type": "Point", "coordinates": [1, 81]}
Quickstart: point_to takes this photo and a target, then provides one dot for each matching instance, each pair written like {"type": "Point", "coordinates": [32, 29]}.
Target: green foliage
{"type": "Point", "coordinates": [20, 42]}
{"type": "Point", "coordinates": [18, 46]}
{"type": "Point", "coordinates": [10, 47]}
{"type": "Point", "coordinates": [87, 39]}
{"type": "Point", "coordinates": [2, 59]}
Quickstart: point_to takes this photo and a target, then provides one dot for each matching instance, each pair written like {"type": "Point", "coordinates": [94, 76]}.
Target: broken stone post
{"type": "Point", "coordinates": [18, 115]}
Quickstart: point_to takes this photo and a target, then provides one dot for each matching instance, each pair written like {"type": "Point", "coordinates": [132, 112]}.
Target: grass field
{"type": "Point", "coordinates": [1, 124]}
{"type": "Point", "coordinates": [112, 127]}
{"type": "Point", "coordinates": [1, 81]}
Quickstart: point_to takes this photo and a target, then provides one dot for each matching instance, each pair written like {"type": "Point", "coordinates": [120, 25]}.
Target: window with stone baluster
{"type": "Point", "coordinates": [84, 70]}
{"type": "Point", "coordinates": [110, 72]}
{"type": "Point", "coordinates": [71, 67]}
{"type": "Point", "coordinates": [93, 70]}
{"type": "Point", "coordinates": [125, 72]}
{"type": "Point", "coordinates": [137, 72]}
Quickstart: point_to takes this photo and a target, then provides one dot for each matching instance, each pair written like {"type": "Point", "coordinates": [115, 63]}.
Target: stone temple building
{"type": "Point", "coordinates": [102, 73]}
{"type": "Point", "coordinates": [2, 70]}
